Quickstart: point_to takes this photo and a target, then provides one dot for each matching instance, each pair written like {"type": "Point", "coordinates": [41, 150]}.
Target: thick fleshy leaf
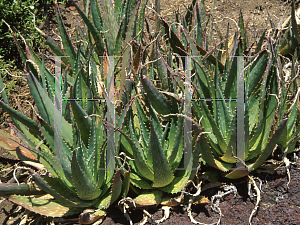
{"type": "Point", "coordinates": [121, 121]}
{"type": "Point", "coordinates": [46, 108]}
{"type": "Point", "coordinates": [126, 184]}
{"type": "Point", "coordinates": [158, 101]}
{"type": "Point", "coordinates": [46, 207]}
{"type": "Point", "coordinates": [32, 125]}
{"type": "Point", "coordinates": [60, 192]}
{"type": "Point", "coordinates": [270, 145]}
{"type": "Point", "coordinates": [238, 173]}
{"type": "Point", "coordinates": [139, 182]}
{"type": "Point", "coordinates": [130, 34]}
{"type": "Point", "coordinates": [83, 122]}
{"type": "Point", "coordinates": [85, 188]}
{"type": "Point", "coordinates": [177, 147]}
{"type": "Point", "coordinates": [69, 49]}
{"type": "Point", "coordinates": [140, 161]}
{"type": "Point", "coordinates": [210, 158]}
{"type": "Point", "coordinates": [92, 29]}
{"type": "Point", "coordinates": [116, 187]}
{"type": "Point", "coordinates": [163, 174]}
{"type": "Point", "coordinates": [61, 152]}
{"type": "Point", "coordinates": [145, 199]}
{"type": "Point", "coordinates": [110, 24]}
{"type": "Point", "coordinates": [210, 125]}
{"type": "Point", "coordinates": [231, 148]}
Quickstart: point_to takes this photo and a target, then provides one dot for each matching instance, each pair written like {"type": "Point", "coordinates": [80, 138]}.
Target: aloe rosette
{"type": "Point", "coordinates": [73, 150]}
{"type": "Point", "coordinates": [157, 171]}
{"type": "Point", "coordinates": [214, 85]}
{"type": "Point", "coordinates": [66, 138]}
{"type": "Point", "coordinates": [76, 182]}
{"type": "Point", "coordinates": [266, 119]}
{"type": "Point", "coordinates": [220, 118]}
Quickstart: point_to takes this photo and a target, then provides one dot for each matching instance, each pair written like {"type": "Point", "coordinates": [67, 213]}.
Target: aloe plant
{"type": "Point", "coordinates": [76, 182]}
{"type": "Point", "coordinates": [68, 140]}
{"type": "Point", "coordinates": [220, 117]}
{"type": "Point", "coordinates": [119, 25]}
{"type": "Point", "coordinates": [262, 90]}
{"type": "Point", "coordinates": [111, 29]}
{"type": "Point", "coordinates": [66, 133]}
{"type": "Point", "coordinates": [215, 84]}
{"type": "Point", "coordinates": [157, 153]}
{"type": "Point", "coordinates": [289, 95]}
{"type": "Point", "coordinates": [267, 118]}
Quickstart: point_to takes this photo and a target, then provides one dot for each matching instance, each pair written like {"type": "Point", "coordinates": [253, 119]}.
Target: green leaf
{"type": "Point", "coordinates": [270, 145]}
{"type": "Point", "coordinates": [62, 153]}
{"type": "Point", "coordinates": [110, 25]}
{"type": "Point", "coordinates": [60, 192]}
{"type": "Point", "coordinates": [260, 42]}
{"type": "Point", "coordinates": [92, 29]}
{"type": "Point", "coordinates": [65, 38]}
{"type": "Point", "coordinates": [32, 125]}
{"type": "Point", "coordinates": [83, 122]}
{"type": "Point", "coordinates": [85, 188]}
{"type": "Point", "coordinates": [177, 146]}
{"type": "Point", "coordinates": [138, 154]}
{"type": "Point", "coordinates": [163, 174]}
{"type": "Point", "coordinates": [209, 157]}
{"type": "Point", "coordinates": [231, 147]}
{"type": "Point", "coordinates": [242, 31]}
{"type": "Point", "coordinates": [126, 184]}
{"type": "Point", "coordinates": [116, 188]}
{"type": "Point", "coordinates": [139, 182]}
{"type": "Point", "coordinates": [256, 73]}
{"type": "Point", "coordinates": [210, 125]}
{"type": "Point", "coordinates": [158, 101]}
{"type": "Point", "coordinates": [46, 108]}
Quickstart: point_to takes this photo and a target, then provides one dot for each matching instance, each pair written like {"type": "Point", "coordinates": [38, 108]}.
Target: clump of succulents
{"type": "Point", "coordinates": [164, 129]}
{"type": "Point", "coordinates": [66, 133]}
{"type": "Point", "coordinates": [214, 83]}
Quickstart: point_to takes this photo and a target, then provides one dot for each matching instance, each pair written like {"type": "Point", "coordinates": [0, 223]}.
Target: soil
{"type": "Point", "coordinates": [279, 204]}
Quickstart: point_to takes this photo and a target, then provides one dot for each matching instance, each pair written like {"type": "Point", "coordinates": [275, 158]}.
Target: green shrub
{"type": "Point", "coordinates": [18, 14]}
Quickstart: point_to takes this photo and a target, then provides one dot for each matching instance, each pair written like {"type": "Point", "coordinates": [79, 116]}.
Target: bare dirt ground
{"type": "Point", "coordinates": [279, 204]}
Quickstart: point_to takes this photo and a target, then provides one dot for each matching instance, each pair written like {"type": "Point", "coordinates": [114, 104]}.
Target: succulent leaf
{"type": "Point", "coordinates": [32, 125]}
{"type": "Point", "coordinates": [110, 24]}
{"type": "Point", "coordinates": [46, 207]}
{"type": "Point", "coordinates": [270, 145]}
{"type": "Point", "coordinates": [116, 188]}
{"type": "Point", "coordinates": [46, 107]}
{"type": "Point", "coordinates": [152, 198]}
{"type": "Point", "coordinates": [59, 191]}
{"type": "Point", "coordinates": [158, 101]}
{"type": "Point", "coordinates": [163, 174]}
{"type": "Point", "coordinates": [92, 29]}
{"type": "Point", "coordinates": [83, 122]}
{"type": "Point", "coordinates": [68, 47]}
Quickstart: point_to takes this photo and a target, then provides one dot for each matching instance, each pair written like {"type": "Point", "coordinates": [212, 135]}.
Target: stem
{"type": "Point", "coordinates": [21, 189]}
